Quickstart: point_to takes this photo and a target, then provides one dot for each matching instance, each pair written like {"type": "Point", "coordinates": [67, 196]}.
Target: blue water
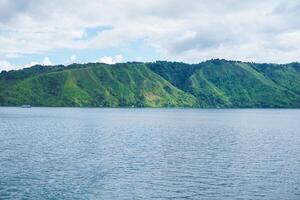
{"type": "Point", "coordinates": [75, 153]}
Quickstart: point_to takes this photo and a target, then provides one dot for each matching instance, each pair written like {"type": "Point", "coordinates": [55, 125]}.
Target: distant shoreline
{"type": "Point", "coordinates": [141, 108]}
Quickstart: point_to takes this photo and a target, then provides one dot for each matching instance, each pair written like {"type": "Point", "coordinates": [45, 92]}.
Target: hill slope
{"type": "Point", "coordinates": [211, 84]}
{"type": "Point", "coordinates": [94, 85]}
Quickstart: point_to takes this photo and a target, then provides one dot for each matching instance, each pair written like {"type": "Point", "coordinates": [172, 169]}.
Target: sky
{"type": "Point", "coordinates": [75, 31]}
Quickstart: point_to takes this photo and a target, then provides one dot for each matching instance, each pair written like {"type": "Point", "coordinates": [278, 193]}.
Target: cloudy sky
{"type": "Point", "coordinates": [67, 31]}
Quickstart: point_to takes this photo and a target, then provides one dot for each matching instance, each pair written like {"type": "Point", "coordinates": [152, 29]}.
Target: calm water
{"type": "Point", "coordinates": [66, 153]}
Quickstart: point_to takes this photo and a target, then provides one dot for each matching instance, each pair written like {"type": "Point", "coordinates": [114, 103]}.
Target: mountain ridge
{"type": "Point", "coordinates": [216, 83]}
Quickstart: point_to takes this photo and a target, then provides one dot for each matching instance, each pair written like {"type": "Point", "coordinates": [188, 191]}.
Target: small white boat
{"type": "Point", "coordinates": [26, 106]}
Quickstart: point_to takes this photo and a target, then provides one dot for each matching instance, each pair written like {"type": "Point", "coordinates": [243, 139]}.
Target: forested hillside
{"type": "Point", "coordinates": [210, 84]}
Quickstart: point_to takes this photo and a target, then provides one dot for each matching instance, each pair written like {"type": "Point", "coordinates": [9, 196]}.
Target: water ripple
{"type": "Point", "coordinates": [65, 153]}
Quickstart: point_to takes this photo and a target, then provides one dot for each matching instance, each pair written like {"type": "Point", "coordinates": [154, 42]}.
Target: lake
{"type": "Point", "coordinates": [85, 153]}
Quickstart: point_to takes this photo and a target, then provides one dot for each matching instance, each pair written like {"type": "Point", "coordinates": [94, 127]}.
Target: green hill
{"type": "Point", "coordinates": [210, 84]}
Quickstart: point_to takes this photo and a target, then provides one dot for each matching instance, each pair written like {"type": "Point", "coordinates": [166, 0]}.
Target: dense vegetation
{"type": "Point", "coordinates": [210, 84]}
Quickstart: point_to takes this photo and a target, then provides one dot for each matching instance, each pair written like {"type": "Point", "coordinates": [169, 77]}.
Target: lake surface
{"type": "Point", "coordinates": [75, 153]}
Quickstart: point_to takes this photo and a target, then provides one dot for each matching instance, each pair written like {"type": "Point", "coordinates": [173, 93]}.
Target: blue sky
{"type": "Point", "coordinates": [133, 51]}
{"type": "Point", "coordinates": [110, 31]}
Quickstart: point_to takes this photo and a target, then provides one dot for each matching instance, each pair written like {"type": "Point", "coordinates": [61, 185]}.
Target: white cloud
{"type": "Point", "coordinates": [5, 65]}
{"type": "Point", "coordinates": [110, 60]}
{"type": "Point", "coordinates": [139, 59]}
{"type": "Point", "coordinates": [106, 59]}
{"type": "Point", "coordinates": [178, 30]}
{"type": "Point", "coordinates": [14, 55]}
{"type": "Point", "coordinates": [73, 59]}
{"type": "Point", "coordinates": [118, 58]}
{"type": "Point", "coordinates": [32, 64]}
{"type": "Point", "coordinates": [46, 61]}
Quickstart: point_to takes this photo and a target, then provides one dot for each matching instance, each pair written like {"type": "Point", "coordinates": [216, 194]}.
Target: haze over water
{"type": "Point", "coordinates": [76, 153]}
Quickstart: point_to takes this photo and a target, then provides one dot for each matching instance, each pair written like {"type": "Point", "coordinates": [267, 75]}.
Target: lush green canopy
{"type": "Point", "coordinates": [211, 84]}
